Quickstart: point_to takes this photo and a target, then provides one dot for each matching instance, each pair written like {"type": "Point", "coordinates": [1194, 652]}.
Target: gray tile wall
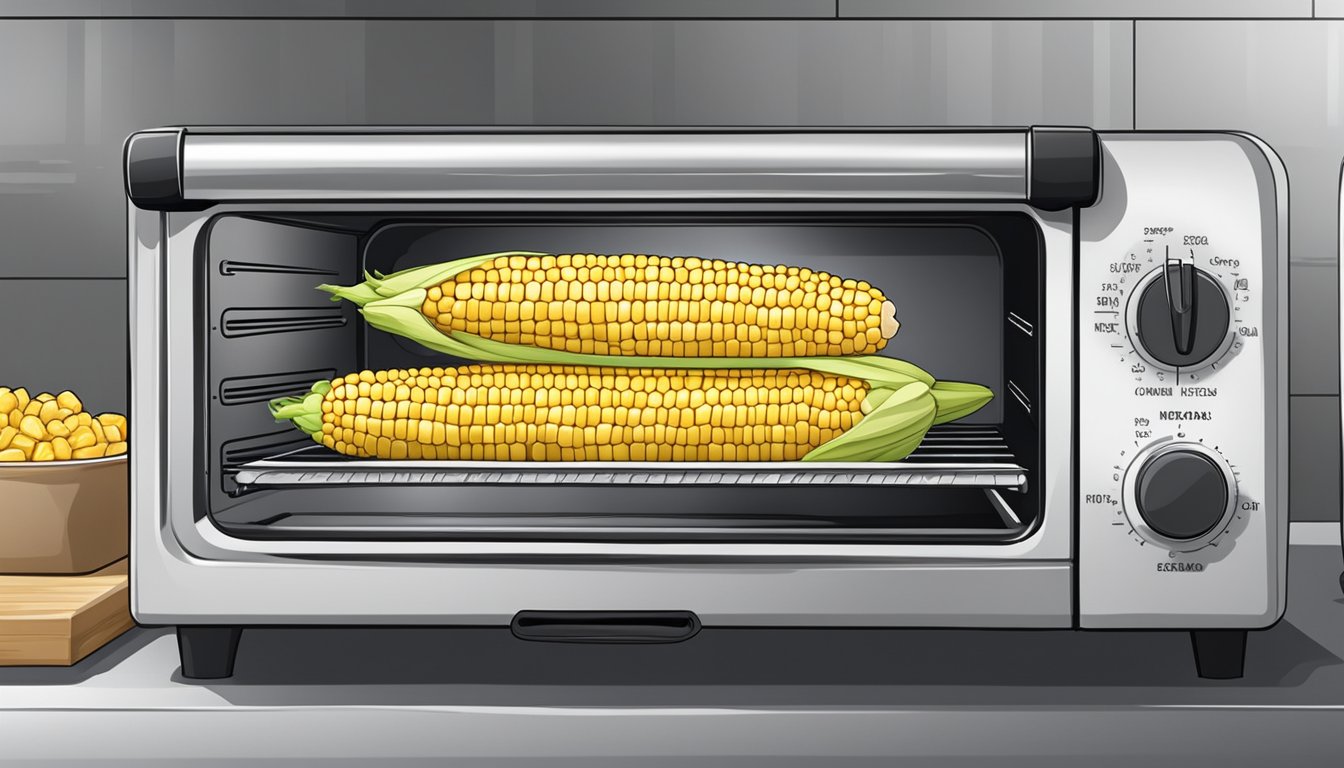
{"type": "Point", "coordinates": [446, 9]}
{"type": "Point", "coordinates": [1109, 9]}
{"type": "Point", "coordinates": [66, 334]}
{"type": "Point", "coordinates": [73, 89]}
{"type": "Point", "coordinates": [681, 9]}
{"type": "Point", "coordinates": [1283, 81]}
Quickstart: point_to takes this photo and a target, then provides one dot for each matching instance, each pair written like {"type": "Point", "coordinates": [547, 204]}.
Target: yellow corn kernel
{"type": "Point", "coordinates": [113, 420]}
{"type": "Point", "coordinates": [8, 401]}
{"type": "Point", "coordinates": [6, 435]}
{"type": "Point", "coordinates": [57, 428]}
{"type": "Point", "coordinates": [82, 437]}
{"type": "Point", "coordinates": [67, 399]}
{"type": "Point", "coordinates": [45, 397]}
{"type": "Point", "coordinates": [112, 434]}
{"type": "Point", "coordinates": [116, 449]}
{"type": "Point", "coordinates": [33, 408]}
{"type": "Point", "coordinates": [98, 433]}
{"type": "Point", "coordinates": [12, 454]}
{"type": "Point", "coordinates": [21, 398]}
{"type": "Point", "coordinates": [32, 426]}
{"type": "Point", "coordinates": [61, 447]}
{"type": "Point", "coordinates": [23, 443]}
{"type": "Point", "coordinates": [91, 452]}
{"type": "Point", "coordinates": [44, 452]}
{"type": "Point", "coordinates": [49, 411]}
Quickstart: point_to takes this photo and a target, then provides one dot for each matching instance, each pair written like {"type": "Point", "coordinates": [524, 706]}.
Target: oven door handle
{"type": "Point", "coordinates": [605, 626]}
{"type": "Point", "coordinates": [1051, 168]}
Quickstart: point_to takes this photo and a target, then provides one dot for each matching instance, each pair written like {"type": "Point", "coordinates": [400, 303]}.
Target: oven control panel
{"type": "Point", "coordinates": [1179, 504]}
{"type": "Point", "coordinates": [1170, 310]}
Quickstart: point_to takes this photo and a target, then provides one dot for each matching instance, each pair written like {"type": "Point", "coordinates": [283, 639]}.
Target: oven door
{"type": "Point", "coordinates": [970, 234]}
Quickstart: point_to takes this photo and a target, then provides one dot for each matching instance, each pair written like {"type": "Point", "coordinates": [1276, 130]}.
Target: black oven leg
{"type": "Point", "coordinates": [207, 653]}
{"type": "Point", "coordinates": [1220, 654]}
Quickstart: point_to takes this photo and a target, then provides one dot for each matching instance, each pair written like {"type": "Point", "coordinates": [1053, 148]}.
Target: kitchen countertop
{"type": "Point", "coordinates": [743, 697]}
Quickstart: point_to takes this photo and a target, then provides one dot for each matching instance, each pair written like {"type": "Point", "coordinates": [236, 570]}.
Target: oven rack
{"type": "Point", "coordinates": [950, 455]}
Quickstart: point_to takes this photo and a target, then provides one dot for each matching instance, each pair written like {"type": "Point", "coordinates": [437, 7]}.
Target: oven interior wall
{"type": "Point", "coordinates": [954, 280]}
{"type": "Point", "coordinates": [270, 334]}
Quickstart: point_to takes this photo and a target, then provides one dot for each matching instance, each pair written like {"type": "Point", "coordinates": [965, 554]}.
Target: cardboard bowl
{"type": "Point", "coordinates": [64, 516]}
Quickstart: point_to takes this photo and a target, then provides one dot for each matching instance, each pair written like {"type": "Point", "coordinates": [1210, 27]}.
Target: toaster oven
{"type": "Point", "coordinates": [1123, 296]}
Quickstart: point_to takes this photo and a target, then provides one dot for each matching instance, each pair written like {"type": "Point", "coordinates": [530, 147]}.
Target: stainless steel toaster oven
{"type": "Point", "coordinates": [1122, 295]}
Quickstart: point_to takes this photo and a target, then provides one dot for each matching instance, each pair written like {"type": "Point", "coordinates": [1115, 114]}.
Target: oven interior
{"type": "Point", "coordinates": [968, 291]}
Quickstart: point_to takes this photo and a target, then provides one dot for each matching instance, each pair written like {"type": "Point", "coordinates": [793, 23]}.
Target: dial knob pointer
{"type": "Point", "coordinates": [1179, 277]}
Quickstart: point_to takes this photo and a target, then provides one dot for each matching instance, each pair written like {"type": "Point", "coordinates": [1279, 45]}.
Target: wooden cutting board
{"type": "Point", "coordinates": [58, 620]}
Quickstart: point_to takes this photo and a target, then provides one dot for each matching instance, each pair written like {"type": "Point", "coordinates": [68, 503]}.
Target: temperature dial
{"type": "Point", "coordinates": [1180, 494]}
{"type": "Point", "coordinates": [1180, 317]}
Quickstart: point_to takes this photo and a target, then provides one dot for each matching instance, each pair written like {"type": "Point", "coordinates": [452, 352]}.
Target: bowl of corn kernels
{"type": "Point", "coordinates": [64, 484]}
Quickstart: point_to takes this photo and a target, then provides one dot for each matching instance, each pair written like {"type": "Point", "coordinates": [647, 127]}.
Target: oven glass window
{"type": "Point", "coordinates": [967, 291]}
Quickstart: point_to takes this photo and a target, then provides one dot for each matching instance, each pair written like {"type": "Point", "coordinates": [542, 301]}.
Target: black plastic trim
{"type": "Point", "coordinates": [208, 653]}
{"type": "Point", "coordinates": [605, 626]}
{"type": "Point", "coordinates": [1065, 168]}
{"type": "Point", "coordinates": [153, 162]}
{"type": "Point", "coordinates": [1220, 654]}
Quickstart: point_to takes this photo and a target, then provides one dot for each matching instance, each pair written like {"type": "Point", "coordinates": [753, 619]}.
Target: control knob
{"type": "Point", "coordinates": [1180, 317]}
{"type": "Point", "coordinates": [1181, 494]}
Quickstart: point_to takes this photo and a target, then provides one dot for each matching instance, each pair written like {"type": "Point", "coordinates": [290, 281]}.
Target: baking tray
{"type": "Point", "coordinates": [968, 456]}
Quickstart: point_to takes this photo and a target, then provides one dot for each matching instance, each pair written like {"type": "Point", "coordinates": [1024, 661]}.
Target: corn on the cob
{"type": "Point", "coordinates": [580, 413]}
{"type": "Point", "coordinates": [56, 428]}
{"type": "Point", "coordinates": [652, 306]}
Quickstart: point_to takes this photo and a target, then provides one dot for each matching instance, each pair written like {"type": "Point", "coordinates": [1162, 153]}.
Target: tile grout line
{"type": "Point", "coordinates": [1134, 75]}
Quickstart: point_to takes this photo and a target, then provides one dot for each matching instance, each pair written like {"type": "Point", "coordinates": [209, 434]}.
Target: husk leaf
{"type": "Point", "coordinates": [957, 399]}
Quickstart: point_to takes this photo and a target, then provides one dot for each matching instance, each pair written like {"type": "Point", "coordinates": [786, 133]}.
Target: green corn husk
{"type": "Point", "coordinates": [304, 412]}
{"type": "Point", "coordinates": [957, 399]}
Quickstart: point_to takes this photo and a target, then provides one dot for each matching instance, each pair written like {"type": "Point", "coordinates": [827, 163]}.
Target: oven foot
{"type": "Point", "coordinates": [1220, 654]}
{"type": "Point", "coordinates": [207, 653]}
